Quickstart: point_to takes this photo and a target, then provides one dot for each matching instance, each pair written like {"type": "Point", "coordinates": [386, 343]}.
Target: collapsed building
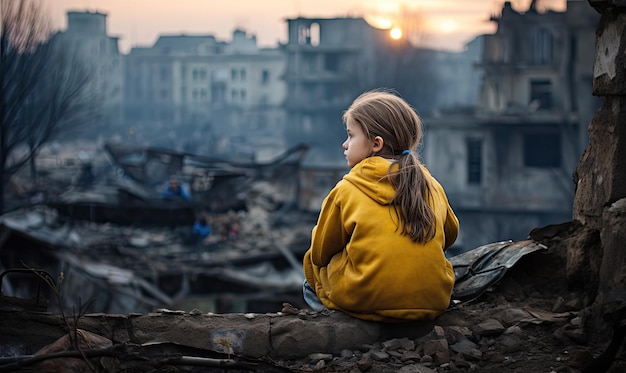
{"type": "Point", "coordinates": [115, 240]}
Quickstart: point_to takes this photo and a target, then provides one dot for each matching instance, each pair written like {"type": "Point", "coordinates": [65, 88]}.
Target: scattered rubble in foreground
{"type": "Point", "coordinates": [527, 322]}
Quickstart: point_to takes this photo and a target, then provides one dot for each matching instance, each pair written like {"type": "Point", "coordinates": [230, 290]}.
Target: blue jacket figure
{"type": "Point", "coordinates": [201, 228]}
{"type": "Point", "coordinates": [175, 191]}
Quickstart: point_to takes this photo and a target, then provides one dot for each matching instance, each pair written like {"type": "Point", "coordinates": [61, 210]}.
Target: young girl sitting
{"type": "Point", "coordinates": [377, 250]}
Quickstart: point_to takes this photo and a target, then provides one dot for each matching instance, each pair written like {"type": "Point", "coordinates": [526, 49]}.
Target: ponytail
{"type": "Point", "coordinates": [416, 216]}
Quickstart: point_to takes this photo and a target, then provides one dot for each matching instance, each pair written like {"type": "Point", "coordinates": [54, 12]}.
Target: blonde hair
{"type": "Point", "coordinates": [382, 113]}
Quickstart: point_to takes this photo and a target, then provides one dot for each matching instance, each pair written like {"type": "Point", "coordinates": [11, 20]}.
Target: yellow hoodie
{"type": "Point", "coordinates": [360, 263]}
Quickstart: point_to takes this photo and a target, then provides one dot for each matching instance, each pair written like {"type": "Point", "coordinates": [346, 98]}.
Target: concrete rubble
{"type": "Point", "coordinates": [515, 324]}
{"type": "Point", "coordinates": [504, 333]}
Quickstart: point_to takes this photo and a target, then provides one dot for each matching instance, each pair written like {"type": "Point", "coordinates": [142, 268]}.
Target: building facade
{"type": "Point", "coordinates": [508, 167]}
{"type": "Point", "coordinates": [87, 40]}
{"type": "Point", "coordinates": [329, 62]}
{"type": "Point", "coordinates": [202, 95]}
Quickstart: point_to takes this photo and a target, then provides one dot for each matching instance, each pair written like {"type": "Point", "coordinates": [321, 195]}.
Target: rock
{"type": "Point", "coordinates": [511, 343]}
{"type": "Point", "coordinates": [410, 355]}
{"type": "Point", "coordinates": [489, 327]}
{"type": "Point", "coordinates": [512, 316]}
{"type": "Point", "coordinates": [317, 357]}
{"type": "Point", "coordinates": [380, 356]}
{"type": "Point", "coordinates": [391, 345]}
{"type": "Point", "coordinates": [365, 363]}
{"type": "Point", "coordinates": [467, 349]}
{"type": "Point", "coordinates": [438, 349]}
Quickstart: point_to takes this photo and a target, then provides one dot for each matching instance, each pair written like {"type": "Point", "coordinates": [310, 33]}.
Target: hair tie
{"type": "Point", "coordinates": [406, 152]}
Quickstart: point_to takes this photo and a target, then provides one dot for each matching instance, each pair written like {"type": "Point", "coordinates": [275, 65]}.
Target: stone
{"type": "Point", "coordinates": [489, 327]}
{"type": "Point", "coordinates": [467, 349]}
{"type": "Point", "coordinates": [438, 349]}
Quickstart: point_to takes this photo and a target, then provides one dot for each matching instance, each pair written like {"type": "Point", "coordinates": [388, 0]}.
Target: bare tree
{"type": "Point", "coordinates": [44, 89]}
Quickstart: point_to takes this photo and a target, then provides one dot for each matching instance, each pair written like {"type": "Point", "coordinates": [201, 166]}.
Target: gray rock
{"type": "Point", "coordinates": [489, 327]}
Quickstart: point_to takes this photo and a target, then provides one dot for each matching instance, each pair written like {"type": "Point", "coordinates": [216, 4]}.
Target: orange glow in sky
{"type": "Point", "coordinates": [395, 33]}
{"type": "Point", "coordinates": [446, 24]}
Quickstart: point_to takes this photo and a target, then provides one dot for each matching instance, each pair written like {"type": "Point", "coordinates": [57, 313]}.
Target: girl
{"type": "Point", "coordinates": [377, 250]}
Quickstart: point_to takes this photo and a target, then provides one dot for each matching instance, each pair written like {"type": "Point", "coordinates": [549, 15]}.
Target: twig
{"type": "Point", "coordinates": [206, 362]}
{"type": "Point", "coordinates": [113, 351]}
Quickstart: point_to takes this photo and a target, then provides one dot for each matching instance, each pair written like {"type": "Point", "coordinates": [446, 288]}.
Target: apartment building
{"type": "Point", "coordinates": [203, 95]}
{"type": "Point", "coordinates": [86, 39]}
{"type": "Point", "coordinates": [329, 62]}
{"type": "Point", "coordinates": [508, 167]}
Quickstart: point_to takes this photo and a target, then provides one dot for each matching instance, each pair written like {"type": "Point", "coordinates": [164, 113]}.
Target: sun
{"type": "Point", "coordinates": [395, 33]}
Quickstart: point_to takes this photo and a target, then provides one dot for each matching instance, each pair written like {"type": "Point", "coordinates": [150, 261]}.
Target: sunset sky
{"type": "Point", "coordinates": [444, 24]}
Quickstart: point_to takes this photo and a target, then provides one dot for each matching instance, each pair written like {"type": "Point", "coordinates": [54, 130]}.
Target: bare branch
{"type": "Point", "coordinates": [45, 86]}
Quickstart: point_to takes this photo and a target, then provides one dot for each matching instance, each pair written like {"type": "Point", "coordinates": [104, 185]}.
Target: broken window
{"type": "Point", "coordinates": [541, 93]}
{"type": "Point", "coordinates": [542, 149]}
{"type": "Point", "coordinates": [309, 34]}
{"type": "Point", "coordinates": [474, 161]}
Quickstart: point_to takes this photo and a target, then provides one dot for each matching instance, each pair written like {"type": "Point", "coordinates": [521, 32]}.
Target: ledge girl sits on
{"type": "Point", "coordinates": [377, 250]}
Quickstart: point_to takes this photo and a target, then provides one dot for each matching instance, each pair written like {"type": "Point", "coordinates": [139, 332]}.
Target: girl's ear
{"type": "Point", "coordinates": [377, 144]}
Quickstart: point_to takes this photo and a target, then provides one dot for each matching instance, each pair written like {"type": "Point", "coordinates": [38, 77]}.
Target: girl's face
{"type": "Point", "coordinates": [357, 146]}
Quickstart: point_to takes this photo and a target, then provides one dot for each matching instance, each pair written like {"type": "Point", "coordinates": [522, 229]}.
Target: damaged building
{"type": "Point", "coordinates": [116, 242]}
{"type": "Point", "coordinates": [507, 167]}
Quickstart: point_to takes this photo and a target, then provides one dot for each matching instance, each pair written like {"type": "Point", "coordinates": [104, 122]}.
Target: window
{"type": "Point", "coordinates": [331, 62]}
{"type": "Point", "coordinates": [314, 34]}
{"type": "Point", "coordinates": [307, 124]}
{"type": "Point", "coordinates": [542, 149]}
{"type": "Point", "coordinates": [218, 92]}
{"type": "Point", "coordinates": [541, 94]}
{"type": "Point", "coordinates": [265, 77]}
{"type": "Point", "coordinates": [242, 94]}
{"type": "Point", "coordinates": [233, 74]}
{"type": "Point", "coordinates": [242, 73]}
{"type": "Point", "coordinates": [543, 47]}
{"type": "Point", "coordinates": [309, 34]}
{"type": "Point", "coordinates": [474, 161]}
{"type": "Point", "coordinates": [164, 73]}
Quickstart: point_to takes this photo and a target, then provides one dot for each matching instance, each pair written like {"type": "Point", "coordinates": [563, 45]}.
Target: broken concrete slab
{"type": "Point", "coordinates": [278, 335]}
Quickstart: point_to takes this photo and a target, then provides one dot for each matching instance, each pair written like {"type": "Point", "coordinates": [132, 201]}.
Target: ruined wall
{"type": "Point", "coordinates": [600, 201]}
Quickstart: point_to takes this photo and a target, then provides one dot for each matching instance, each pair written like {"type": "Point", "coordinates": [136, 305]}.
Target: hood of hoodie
{"type": "Point", "coordinates": [370, 177]}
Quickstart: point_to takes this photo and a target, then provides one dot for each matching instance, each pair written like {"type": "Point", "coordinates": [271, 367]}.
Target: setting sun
{"type": "Point", "coordinates": [395, 33]}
